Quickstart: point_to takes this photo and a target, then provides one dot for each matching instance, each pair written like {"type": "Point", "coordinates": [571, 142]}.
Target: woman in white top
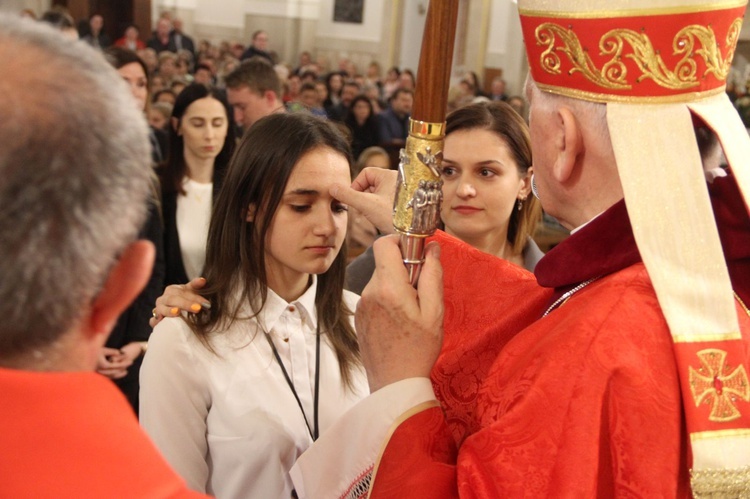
{"type": "Point", "coordinates": [201, 142]}
{"type": "Point", "coordinates": [234, 394]}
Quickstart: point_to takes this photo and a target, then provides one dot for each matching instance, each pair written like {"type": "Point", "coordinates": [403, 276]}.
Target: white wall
{"type": "Point", "coordinates": [414, 15]}
{"type": "Point", "coordinates": [16, 6]}
{"type": "Point", "coordinates": [368, 31]}
{"type": "Point", "coordinates": [504, 45]}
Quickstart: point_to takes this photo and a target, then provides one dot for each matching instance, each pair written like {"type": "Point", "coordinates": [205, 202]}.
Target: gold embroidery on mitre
{"type": "Point", "coordinates": [718, 385]}
{"type": "Point", "coordinates": [692, 41]}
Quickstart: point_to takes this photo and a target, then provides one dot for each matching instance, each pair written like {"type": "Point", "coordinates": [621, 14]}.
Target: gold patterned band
{"type": "Point", "coordinates": [642, 58]}
{"type": "Point", "coordinates": [605, 97]}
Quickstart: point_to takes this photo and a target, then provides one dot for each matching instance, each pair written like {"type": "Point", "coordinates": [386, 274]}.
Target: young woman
{"type": "Point", "coordinates": [201, 141]}
{"type": "Point", "coordinates": [363, 123]}
{"type": "Point", "coordinates": [233, 395]}
{"type": "Point", "coordinates": [487, 182]}
{"type": "Point", "coordinates": [334, 83]}
{"type": "Point", "coordinates": [486, 185]}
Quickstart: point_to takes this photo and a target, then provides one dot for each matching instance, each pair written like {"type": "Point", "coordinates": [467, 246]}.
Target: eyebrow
{"type": "Point", "coordinates": [303, 192]}
{"type": "Point", "coordinates": [480, 163]}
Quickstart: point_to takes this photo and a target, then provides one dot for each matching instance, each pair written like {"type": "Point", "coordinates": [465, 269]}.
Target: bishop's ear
{"type": "Point", "coordinates": [526, 184]}
{"type": "Point", "coordinates": [570, 144]}
{"type": "Point", "coordinates": [125, 281]}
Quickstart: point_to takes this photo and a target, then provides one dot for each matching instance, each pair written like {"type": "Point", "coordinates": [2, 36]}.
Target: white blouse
{"type": "Point", "coordinates": [193, 218]}
{"type": "Point", "coordinates": [228, 422]}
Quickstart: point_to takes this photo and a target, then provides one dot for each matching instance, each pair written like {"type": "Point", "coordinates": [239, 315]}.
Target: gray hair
{"type": "Point", "coordinates": [593, 114]}
{"type": "Point", "coordinates": [74, 179]}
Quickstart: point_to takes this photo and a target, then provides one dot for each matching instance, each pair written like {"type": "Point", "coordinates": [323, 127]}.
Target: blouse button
{"type": "Point", "coordinates": [291, 308]}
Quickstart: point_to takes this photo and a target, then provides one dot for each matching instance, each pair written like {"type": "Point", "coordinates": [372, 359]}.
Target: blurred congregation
{"type": "Point", "coordinates": [371, 105]}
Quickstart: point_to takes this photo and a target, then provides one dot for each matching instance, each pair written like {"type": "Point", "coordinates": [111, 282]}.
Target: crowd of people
{"type": "Point", "coordinates": [204, 234]}
{"type": "Point", "coordinates": [174, 60]}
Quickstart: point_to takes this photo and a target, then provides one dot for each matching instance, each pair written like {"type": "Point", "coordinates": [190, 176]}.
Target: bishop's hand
{"type": "Point", "coordinates": [400, 329]}
{"type": "Point", "coordinates": [372, 194]}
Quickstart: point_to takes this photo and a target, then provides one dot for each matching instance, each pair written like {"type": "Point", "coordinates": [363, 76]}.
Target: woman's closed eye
{"type": "Point", "coordinates": [339, 207]}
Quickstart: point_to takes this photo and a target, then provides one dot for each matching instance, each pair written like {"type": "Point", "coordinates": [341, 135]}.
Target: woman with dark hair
{"type": "Point", "coordinates": [487, 182]}
{"type": "Point", "coordinates": [135, 73]}
{"type": "Point", "coordinates": [486, 173]}
{"type": "Point", "coordinates": [200, 143]}
{"type": "Point", "coordinates": [334, 84]}
{"type": "Point", "coordinates": [121, 357]}
{"type": "Point", "coordinates": [234, 394]}
{"type": "Point", "coordinates": [363, 123]}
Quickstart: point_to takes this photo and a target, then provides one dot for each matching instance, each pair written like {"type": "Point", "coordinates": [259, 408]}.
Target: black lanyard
{"type": "Point", "coordinates": [314, 432]}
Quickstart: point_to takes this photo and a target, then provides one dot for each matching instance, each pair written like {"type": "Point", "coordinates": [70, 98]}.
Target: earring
{"type": "Point", "coordinates": [533, 187]}
{"type": "Point", "coordinates": [519, 205]}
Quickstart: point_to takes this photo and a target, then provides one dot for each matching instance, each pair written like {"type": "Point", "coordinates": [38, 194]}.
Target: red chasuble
{"type": "Point", "coordinates": [584, 402]}
{"type": "Point", "coordinates": [73, 435]}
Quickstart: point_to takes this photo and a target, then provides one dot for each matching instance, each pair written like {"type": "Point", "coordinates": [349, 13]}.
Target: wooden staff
{"type": "Point", "coordinates": [419, 192]}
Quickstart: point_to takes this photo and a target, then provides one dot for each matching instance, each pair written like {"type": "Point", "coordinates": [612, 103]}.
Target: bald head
{"type": "Point", "coordinates": [73, 181]}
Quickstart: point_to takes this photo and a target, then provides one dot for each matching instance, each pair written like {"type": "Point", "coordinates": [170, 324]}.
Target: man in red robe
{"type": "Point", "coordinates": [622, 369]}
{"type": "Point", "coordinates": [73, 187]}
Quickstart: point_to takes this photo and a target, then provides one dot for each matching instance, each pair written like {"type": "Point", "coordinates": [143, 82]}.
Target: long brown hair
{"type": "Point", "coordinates": [501, 119]}
{"type": "Point", "coordinates": [235, 253]}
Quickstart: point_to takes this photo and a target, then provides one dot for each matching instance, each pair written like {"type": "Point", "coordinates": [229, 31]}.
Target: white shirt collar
{"type": "Point", "coordinates": [276, 306]}
{"type": "Point", "coordinates": [584, 224]}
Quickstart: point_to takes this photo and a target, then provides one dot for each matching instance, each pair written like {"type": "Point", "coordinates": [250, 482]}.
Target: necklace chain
{"type": "Point", "coordinates": [314, 430]}
{"type": "Point", "coordinates": [573, 291]}
{"type": "Point", "coordinates": [568, 294]}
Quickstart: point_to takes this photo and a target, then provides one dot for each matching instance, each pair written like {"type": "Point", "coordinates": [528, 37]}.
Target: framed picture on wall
{"type": "Point", "coordinates": [348, 11]}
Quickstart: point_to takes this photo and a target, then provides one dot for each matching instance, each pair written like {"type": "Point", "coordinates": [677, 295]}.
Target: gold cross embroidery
{"type": "Point", "coordinates": [717, 385]}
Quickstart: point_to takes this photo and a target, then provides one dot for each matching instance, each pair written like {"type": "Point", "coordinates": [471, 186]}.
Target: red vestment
{"type": "Point", "coordinates": [585, 402]}
{"type": "Point", "coordinates": [582, 403]}
{"type": "Point", "coordinates": [73, 435]}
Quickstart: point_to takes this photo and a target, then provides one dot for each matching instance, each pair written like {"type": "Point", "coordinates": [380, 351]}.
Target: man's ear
{"type": "Point", "coordinates": [125, 281]}
{"type": "Point", "coordinates": [270, 97]}
{"type": "Point", "coordinates": [570, 144]}
{"type": "Point", "coordinates": [525, 190]}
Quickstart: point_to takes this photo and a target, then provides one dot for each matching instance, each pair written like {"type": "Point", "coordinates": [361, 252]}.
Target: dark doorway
{"type": "Point", "coordinates": [117, 14]}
